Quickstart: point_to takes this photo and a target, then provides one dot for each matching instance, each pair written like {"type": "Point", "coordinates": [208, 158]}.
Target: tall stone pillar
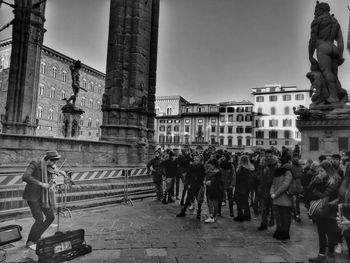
{"type": "Point", "coordinates": [27, 40]}
{"type": "Point", "coordinates": [128, 101]}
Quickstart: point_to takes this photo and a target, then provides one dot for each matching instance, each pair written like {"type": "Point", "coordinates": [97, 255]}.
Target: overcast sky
{"type": "Point", "coordinates": [209, 50]}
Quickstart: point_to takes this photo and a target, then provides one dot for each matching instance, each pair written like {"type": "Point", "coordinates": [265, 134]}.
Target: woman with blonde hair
{"type": "Point", "coordinates": [325, 185]}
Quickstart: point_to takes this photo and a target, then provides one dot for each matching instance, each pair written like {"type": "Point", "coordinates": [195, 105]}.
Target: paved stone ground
{"type": "Point", "coordinates": [150, 232]}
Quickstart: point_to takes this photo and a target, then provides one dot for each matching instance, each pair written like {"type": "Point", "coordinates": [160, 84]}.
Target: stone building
{"type": "Point", "coordinates": [54, 85]}
{"type": "Point", "coordinates": [179, 124]}
{"type": "Point", "coordinates": [274, 119]}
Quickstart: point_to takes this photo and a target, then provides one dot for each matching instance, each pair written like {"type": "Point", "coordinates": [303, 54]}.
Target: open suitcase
{"type": "Point", "coordinates": [63, 246]}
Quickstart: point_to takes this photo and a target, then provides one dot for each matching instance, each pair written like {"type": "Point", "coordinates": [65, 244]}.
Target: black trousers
{"type": "Point", "coordinates": [40, 225]}
{"type": "Point", "coordinates": [266, 210]}
{"type": "Point", "coordinates": [283, 219]}
{"type": "Point", "coordinates": [346, 235]}
{"type": "Point", "coordinates": [191, 195]}
{"type": "Point", "coordinates": [229, 193]}
{"type": "Point", "coordinates": [242, 201]}
{"type": "Point", "coordinates": [327, 234]}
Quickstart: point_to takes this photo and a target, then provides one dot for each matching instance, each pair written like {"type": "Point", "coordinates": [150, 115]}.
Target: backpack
{"type": "Point", "coordinates": [295, 187]}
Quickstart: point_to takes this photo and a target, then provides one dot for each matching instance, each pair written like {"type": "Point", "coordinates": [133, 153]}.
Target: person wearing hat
{"type": "Point", "coordinates": [39, 194]}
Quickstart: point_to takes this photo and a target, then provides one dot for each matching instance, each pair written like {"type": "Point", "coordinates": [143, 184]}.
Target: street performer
{"type": "Point", "coordinates": [39, 194]}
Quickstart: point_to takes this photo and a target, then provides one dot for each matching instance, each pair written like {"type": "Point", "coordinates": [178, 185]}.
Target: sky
{"type": "Point", "coordinates": [209, 51]}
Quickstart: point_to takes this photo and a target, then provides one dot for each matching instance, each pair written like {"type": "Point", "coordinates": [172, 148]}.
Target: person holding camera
{"type": "Point", "coordinates": [39, 194]}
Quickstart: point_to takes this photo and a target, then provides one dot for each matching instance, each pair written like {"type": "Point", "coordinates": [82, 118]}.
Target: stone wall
{"type": "Point", "coordinates": [20, 150]}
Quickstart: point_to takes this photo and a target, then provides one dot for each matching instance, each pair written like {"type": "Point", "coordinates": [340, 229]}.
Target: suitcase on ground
{"type": "Point", "coordinates": [9, 234]}
{"type": "Point", "coordinates": [63, 246]}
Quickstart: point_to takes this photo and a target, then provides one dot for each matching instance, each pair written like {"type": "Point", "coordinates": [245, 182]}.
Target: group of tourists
{"type": "Point", "coordinates": [268, 183]}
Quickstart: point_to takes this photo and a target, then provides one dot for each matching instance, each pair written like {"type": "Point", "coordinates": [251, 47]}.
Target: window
{"type": "Point", "coordinates": [92, 86]}
{"type": "Point", "coordinates": [157, 110]}
{"type": "Point", "coordinates": [248, 129]}
{"type": "Point", "coordinates": [168, 139]}
{"type": "Point", "coordinates": [81, 122]}
{"type": "Point", "coordinates": [259, 142]}
{"type": "Point", "coordinates": [176, 139]}
{"type": "Point", "coordinates": [273, 98]}
{"type": "Point", "coordinates": [91, 104]}
{"type": "Point", "coordinates": [273, 142]}
{"type": "Point", "coordinates": [84, 83]}
{"type": "Point", "coordinates": [273, 134]}
{"type": "Point", "coordinates": [314, 144]}
{"type": "Point", "coordinates": [287, 97]}
{"type": "Point", "coordinates": [286, 110]}
{"type": "Point", "coordinates": [229, 141]}
{"type": "Point", "coordinates": [297, 135]}
{"type": "Point", "coordinates": [41, 89]}
{"type": "Point", "coordinates": [213, 128]}
{"type": "Point", "coordinates": [259, 134]}
{"type": "Point", "coordinates": [230, 109]}
{"type": "Point", "coordinates": [247, 141]}
{"type": "Point", "coordinates": [161, 121]}
{"type": "Point", "coordinates": [273, 111]}
{"type": "Point", "coordinates": [89, 122]}
{"type": "Point", "coordinates": [161, 138]}
{"type": "Point", "coordinates": [272, 89]}
{"type": "Point", "coordinates": [222, 109]}
{"type": "Point", "coordinates": [212, 140]}
{"type": "Point", "coordinates": [187, 121]}
{"type": "Point", "coordinates": [187, 128]}
{"type": "Point", "coordinates": [98, 105]}
{"type": "Point", "coordinates": [222, 118]}
{"type": "Point", "coordinates": [187, 140]}
{"type": "Point", "coordinates": [63, 94]}
{"type": "Point", "coordinates": [39, 113]}
{"type": "Point", "coordinates": [343, 143]}
{"type": "Point", "coordinates": [99, 88]}
{"type": "Point", "coordinates": [248, 109]}
{"type": "Point", "coordinates": [52, 92]}
{"type": "Point", "coordinates": [43, 68]}
{"type": "Point", "coordinates": [199, 109]}
{"type": "Point", "coordinates": [64, 76]}
{"type": "Point", "coordinates": [287, 123]}
{"type": "Point", "coordinates": [259, 99]}
{"type": "Point", "coordinates": [213, 121]}
{"type": "Point", "coordinates": [239, 129]}
{"type": "Point", "coordinates": [299, 96]}
{"type": "Point", "coordinates": [230, 129]}
{"type": "Point", "coordinates": [187, 110]}
{"type": "Point", "coordinates": [89, 134]}
{"type": "Point", "coordinates": [230, 118]}
{"type": "Point", "coordinates": [83, 102]}
{"type": "Point", "coordinates": [168, 128]}
{"type": "Point", "coordinates": [169, 111]}
{"type": "Point", "coordinates": [273, 123]}
{"type": "Point", "coordinates": [200, 120]}
{"type": "Point", "coordinates": [222, 129]}
{"type": "Point", "coordinates": [259, 110]}
{"type": "Point", "coordinates": [97, 123]}
{"type": "Point", "coordinates": [286, 143]}
{"type": "Point", "coordinates": [50, 128]}
{"type": "Point", "coordinates": [239, 141]}
{"type": "Point", "coordinates": [50, 114]}
{"type": "Point", "coordinates": [287, 134]}
{"type": "Point", "coordinates": [54, 72]}
{"type": "Point", "coordinates": [259, 123]}
{"type": "Point", "coordinates": [221, 141]}
{"type": "Point", "coordinates": [248, 118]}
{"type": "Point", "coordinates": [240, 117]}
{"type": "Point", "coordinates": [177, 128]}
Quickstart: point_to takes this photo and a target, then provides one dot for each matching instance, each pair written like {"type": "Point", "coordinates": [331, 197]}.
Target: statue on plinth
{"type": "Point", "coordinates": [325, 85]}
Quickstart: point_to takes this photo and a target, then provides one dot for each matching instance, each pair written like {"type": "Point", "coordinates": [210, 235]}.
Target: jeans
{"type": "Point", "coordinates": [266, 210]}
{"type": "Point", "coordinates": [229, 193]}
{"type": "Point", "coordinates": [296, 205]}
{"type": "Point", "coordinates": [158, 187]}
{"type": "Point", "coordinates": [39, 226]}
{"type": "Point", "coordinates": [169, 188]}
{"type": "Point", "coordinates": [283, 219]}
{"type": "Point", "coordinates": [213, 206]}
{"type": "Point", "coordinates": [327, 234]}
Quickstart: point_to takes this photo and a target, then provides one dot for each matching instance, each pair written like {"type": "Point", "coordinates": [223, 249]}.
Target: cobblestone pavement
{"type": "Point", "coordinates": [150, 232]}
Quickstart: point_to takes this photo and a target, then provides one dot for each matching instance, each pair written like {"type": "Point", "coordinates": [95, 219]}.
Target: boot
{"type": "Point", "coordinates": [182, 213]}
{"type": "Point", "coordinates": [318, 259]}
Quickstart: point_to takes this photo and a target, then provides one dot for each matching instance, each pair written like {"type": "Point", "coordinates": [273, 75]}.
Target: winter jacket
{"type": "Point", "coordinates": [196, 175]}
{"type": "Point", "coordinates": [243, 178]}
{"type": "Point", "coordinates": [280, 184]}
{"type": "Point", "coordinates": [228, 175]}
{"type": "Point", "coordinates": [170, 168]}
{"type": "Point", "coordinates": [214, 190]}
{"type": "Point", "coordinates": [156, 164]}
{"type": "Point", "coordinates": [267, 177]}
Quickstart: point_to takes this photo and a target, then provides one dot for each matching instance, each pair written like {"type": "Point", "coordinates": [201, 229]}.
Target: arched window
{"type": "Point", "coordinates": [64, 76]}
{"type": "Point", "coordinates": [89, 122]}
{"type": "Point", "coordinates": [63, 94]}
{"type": "Point", "coordinates": [99, 88]}
{"type": "Point", "coordinates": [157, 110]}
{"type": "Point", "coordinates": [43, 68]}
{"type": "Point", "coordinates": [83, 101]}
{"type": "Point", "coordinates": [273, 111]}
{"type": "Point", "coordinates": [92, 86]}
{"type": "Point", "coordinates": [239, 141]}
{"type": "Point", "coordinates": [52, 92]}
{"type": "Point", "coordinates": [97, 123]}
{"type": "Point", "coordinates": [169, 111]}
{"type": "Point", "coordinates": [91, 104]}
{"type": "Point", "coordinates": [39, 113]}
{"type": "Point", "coordinates": [247, 141]}
{"type": "Point", "coordinates": [84, 83]}
{"type": "Point", "coordinates": [286, 110]}
{"type": "Point", "coordinates": [50, 114]}
{"type": "Point", "coordinates": [41, 89]}
{"type": "Point", "coordinates": [54, 72]}
{"type": "Point", "coordinates": [98, 105]}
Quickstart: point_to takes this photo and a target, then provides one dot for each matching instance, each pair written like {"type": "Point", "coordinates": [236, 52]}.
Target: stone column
{"type": "Point", "coordinates": [27, 40]}
{"type": "Point", "coordinates": [128, 101]}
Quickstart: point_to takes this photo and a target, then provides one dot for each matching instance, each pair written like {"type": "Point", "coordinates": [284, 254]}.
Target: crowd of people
{"type": "Point", "coordinates": [269, 183]}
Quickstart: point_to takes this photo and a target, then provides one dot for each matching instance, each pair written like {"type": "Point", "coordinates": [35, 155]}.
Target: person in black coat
{"type": "Point", "coordinates": [195, 178]}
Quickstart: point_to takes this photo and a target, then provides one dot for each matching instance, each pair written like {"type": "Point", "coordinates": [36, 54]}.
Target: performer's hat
{"type": "Point", "coordinates": [52, 155]}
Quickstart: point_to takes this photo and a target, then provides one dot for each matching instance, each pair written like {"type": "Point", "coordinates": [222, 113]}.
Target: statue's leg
{"type": "Point", "coordinates": [325, 63]}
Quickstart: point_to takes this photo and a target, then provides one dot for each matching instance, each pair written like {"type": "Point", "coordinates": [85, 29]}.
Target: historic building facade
{"type": "Point", "coordinates": [179, 124]}
{"type": "Point", "coordinates": [274, 119]}
{"type": "Point", "coordinates": [55, 85]}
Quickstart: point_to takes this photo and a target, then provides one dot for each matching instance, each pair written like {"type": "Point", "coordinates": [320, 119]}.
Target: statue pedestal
{"type": "Point", "coordinates": [71, 118]}
{"type": "Point", "coordinates": [323, 137]}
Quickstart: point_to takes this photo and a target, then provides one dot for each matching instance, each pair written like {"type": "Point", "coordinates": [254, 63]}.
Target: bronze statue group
{"type": "Point", "coordinates": [270, 184]}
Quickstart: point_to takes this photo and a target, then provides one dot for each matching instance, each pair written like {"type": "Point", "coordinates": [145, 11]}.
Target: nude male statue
{"type": "Point", "coordinates": [325, 30]}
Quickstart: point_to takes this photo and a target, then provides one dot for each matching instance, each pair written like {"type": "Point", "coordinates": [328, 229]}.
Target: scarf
{"type": "Point", "coordinates": [48, 195]}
